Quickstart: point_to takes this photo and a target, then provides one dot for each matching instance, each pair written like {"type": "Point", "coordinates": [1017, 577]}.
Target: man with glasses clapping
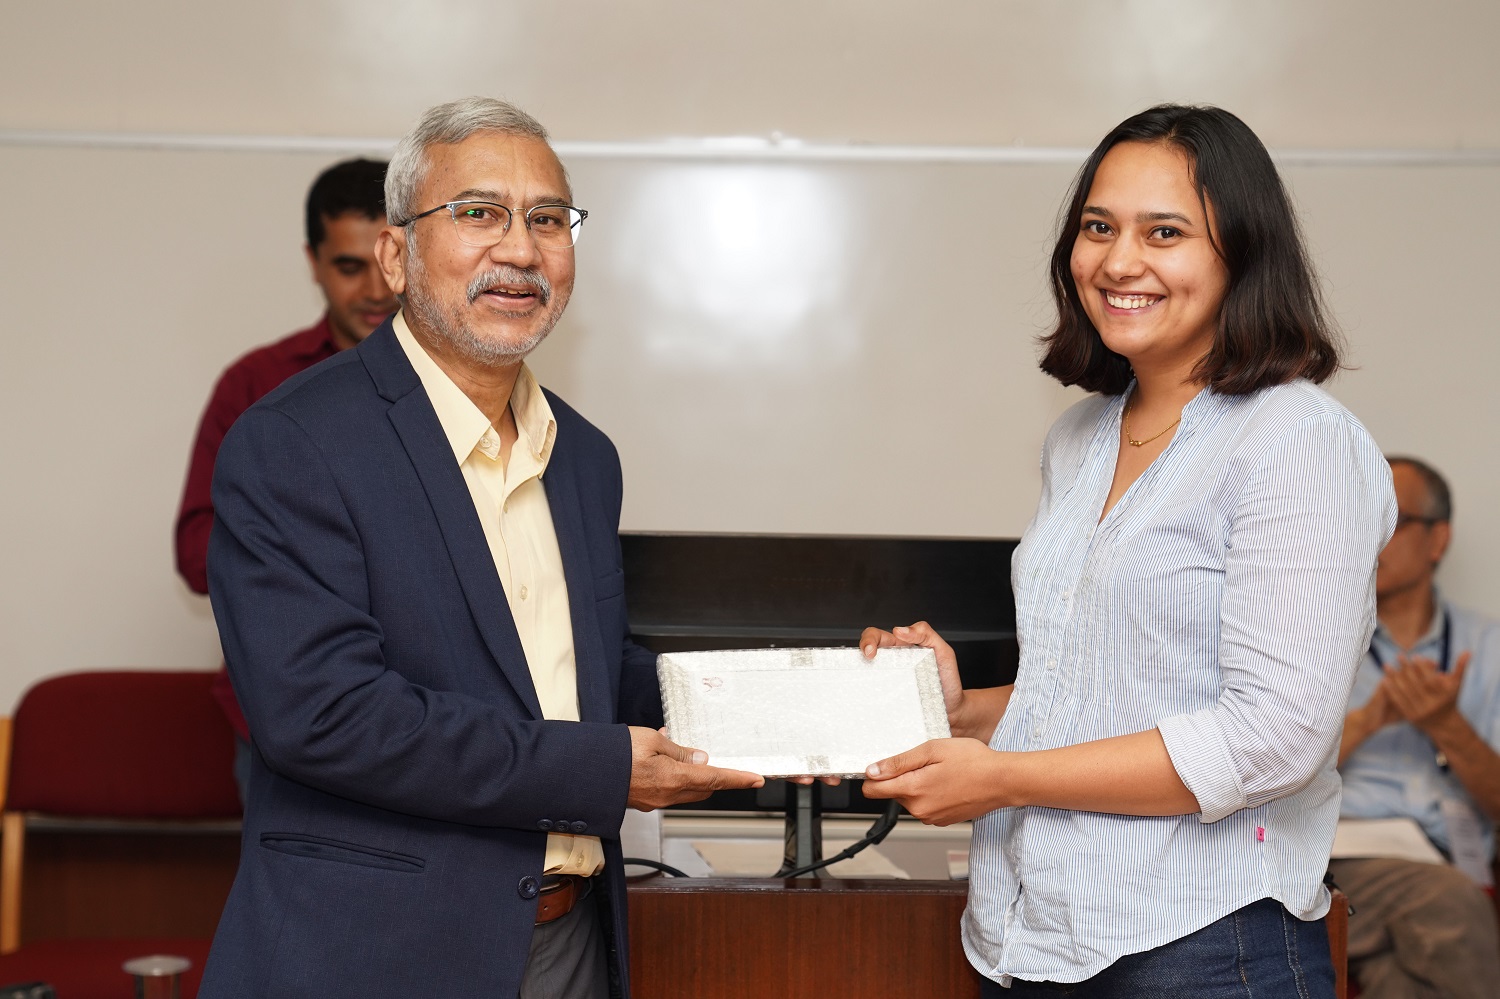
{"type": "Point", "coordinates": [1420, 745]}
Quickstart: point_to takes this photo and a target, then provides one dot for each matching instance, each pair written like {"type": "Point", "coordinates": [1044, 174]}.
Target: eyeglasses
{"type": "Point", "coordinates": [484, 223]}
{"type": "Point", "coordinates": [1402, 519]}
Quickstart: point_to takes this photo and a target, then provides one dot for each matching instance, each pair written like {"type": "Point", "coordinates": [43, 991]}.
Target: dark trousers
{"type": "Point", "coordinates": [1419, 931]}
{"type": "Point", "coordinates": [1260, 950]}
{"type": "Point", "coordinates": [569, 958]}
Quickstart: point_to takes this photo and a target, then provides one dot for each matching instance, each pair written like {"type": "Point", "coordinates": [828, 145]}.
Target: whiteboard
{"type": "Point", "coordinates": [823, 354]}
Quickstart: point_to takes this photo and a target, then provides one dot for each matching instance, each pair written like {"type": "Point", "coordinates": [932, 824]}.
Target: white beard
{"type": "Point", "coordinates": [452, 327]}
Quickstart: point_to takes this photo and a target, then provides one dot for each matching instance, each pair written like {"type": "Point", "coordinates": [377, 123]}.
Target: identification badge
{"type": "Point", "coordinates": [1466, 841]}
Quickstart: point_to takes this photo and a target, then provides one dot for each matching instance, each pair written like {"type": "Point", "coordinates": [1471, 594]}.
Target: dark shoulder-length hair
{"type": "Point", "coordinates": [1272, 326]}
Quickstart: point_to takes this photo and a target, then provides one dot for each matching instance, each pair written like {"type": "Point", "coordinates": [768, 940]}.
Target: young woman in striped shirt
{"type": "Point", "coordinates": [1155, 797]}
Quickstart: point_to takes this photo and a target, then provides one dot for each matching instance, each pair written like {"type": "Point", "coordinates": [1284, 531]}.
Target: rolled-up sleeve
{"type": "Point", "coordinates": [1297, 614]}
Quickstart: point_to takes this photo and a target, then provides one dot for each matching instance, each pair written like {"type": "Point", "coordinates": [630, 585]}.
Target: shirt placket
{"type": "Point", "coordinates": [1063, 608]}
{"type": "Point", "coordinates": [1083, 541]}
{"type": "Point", "coordinates": [487, 485]}
{"type": "Point", "coordinates": [519, 556]}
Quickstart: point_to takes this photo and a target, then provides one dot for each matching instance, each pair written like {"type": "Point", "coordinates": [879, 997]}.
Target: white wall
{"type": "Point", "coordinates": [865, 375]}
{"type": "Point", "coordinates": [1036, 72]}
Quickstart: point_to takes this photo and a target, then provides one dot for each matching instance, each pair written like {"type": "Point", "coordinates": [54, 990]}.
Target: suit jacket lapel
{"type": "Point", "coordinates": [421, 434]}
{"type": "Point", "coordinates": [561, 484]}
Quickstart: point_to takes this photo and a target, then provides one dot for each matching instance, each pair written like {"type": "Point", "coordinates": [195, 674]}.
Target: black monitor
{"type": "Point", "coordinates": [691, 592]}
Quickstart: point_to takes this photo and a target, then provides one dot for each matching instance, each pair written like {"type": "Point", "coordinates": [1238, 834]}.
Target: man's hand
{"type": "Point", "coordinates": [942, 781]}
{"type": "Point", "coordinates": [1364, 721]}
{"type": "Point", "coordinates": [664, 773]}
{"type": "Point", "coordinates": [1378, 711]}
{"type": "Point", "coordinates": [1423, 694]}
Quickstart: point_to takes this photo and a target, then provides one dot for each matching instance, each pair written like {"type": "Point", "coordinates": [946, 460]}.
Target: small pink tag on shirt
{"type": "Point", "coordinates": [1260, 834]}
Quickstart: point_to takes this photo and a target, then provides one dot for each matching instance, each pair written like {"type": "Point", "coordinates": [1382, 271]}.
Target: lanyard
{"type": "Point", "coordinates": [1445, 657]}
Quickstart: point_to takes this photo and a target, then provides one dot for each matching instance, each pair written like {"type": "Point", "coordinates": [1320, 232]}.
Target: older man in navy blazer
{"type": "Point", "coordinates": [416, 575]}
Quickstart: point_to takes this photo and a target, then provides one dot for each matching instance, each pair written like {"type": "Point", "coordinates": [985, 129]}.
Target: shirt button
{"type": "Point", "coordinates": [486, 442]}
{"type": "Point", "coordinates": [1036, 733]}
{"type": "Point", "coordinates": [1052, 664]}
{"type": "Point", "coordinates": [524, 591]}
{"type": "Point", "coordinates": [528, 888]}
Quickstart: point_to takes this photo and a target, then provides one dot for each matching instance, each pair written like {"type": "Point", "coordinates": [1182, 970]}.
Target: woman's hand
{"type": "Point", "coordinates": [950, 780]}
{"type": "Point", "coordinates": [971, 713]}
{"type": "Point", "coordinates": [921, 634]}
{"type": "Point", "coordinates": [942, 781]}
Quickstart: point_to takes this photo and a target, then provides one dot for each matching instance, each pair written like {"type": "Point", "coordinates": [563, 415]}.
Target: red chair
{"type": "Point", "coordinates": [144, 750]}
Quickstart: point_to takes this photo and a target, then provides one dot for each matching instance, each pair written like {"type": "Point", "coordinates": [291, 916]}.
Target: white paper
{"type": "Point", "coordinates": [1400, 839]}
{"type": "Point", "coordinates": [780, 712]}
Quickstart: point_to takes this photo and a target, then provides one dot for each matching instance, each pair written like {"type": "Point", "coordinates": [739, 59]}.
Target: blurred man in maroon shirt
{"type": "Point", "coordinates": [345, 210]}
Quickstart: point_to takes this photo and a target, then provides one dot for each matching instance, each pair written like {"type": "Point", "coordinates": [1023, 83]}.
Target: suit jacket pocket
{"type": "Point", "coordinates": [319, 848]}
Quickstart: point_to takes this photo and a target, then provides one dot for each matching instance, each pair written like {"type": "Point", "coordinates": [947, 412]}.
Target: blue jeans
{"type": "Point", "coordinates": [1258, 952]}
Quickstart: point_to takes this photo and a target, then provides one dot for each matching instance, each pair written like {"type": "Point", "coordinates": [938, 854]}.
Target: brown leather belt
{"type": "Point", "coordinates": [560, 892]}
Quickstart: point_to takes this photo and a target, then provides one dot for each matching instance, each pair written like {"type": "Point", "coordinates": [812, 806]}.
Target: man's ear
{"type": "Point", "coordinates": [390, 254]}
{"type": "Point", "coordinates": [1442, 533]}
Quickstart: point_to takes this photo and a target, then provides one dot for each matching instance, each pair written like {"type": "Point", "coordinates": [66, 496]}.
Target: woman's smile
{"type": "Point", "coordinates": [1144, 261]}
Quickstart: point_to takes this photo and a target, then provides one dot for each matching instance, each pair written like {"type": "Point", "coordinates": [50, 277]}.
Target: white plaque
{"type": "Point", "coordinates": [788, 712]}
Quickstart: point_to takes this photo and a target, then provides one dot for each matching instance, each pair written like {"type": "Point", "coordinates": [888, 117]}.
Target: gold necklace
{"type": "Point", "coordinates": [1125, 421]}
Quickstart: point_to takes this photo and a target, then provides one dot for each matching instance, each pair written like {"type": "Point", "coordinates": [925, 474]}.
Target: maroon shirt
{"type": "Point", "coordinates": [239, 387]}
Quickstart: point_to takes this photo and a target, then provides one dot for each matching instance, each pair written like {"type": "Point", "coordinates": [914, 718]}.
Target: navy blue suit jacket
{"type": "Point", "coordinates": [404, 778]}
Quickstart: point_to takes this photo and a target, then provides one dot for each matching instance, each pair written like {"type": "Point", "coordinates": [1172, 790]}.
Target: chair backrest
{"type": "Point", "coordinates": [123, 744]}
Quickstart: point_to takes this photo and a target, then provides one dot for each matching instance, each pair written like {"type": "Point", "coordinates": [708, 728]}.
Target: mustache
{"type": "Point", "coordinates": [509, 274]}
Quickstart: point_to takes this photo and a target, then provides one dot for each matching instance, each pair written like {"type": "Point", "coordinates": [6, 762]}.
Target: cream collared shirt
{"type": "Point", "coordinates": [517, 521]}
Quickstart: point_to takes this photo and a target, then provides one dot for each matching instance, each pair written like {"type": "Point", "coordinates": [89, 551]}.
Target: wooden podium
{"type": "Point", "coordinates": [750, 938]}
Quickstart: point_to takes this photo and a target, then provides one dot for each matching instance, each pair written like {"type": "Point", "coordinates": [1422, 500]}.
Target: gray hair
{"type": "Point", "coordinates": [1439, 496]}
{"type": "Point", "coordinates": [446, 123]}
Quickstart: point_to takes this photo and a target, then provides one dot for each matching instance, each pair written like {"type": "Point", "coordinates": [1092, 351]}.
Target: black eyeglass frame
{"type": "Point", "coordinates": [510, 216]}
{"type": "Point", "coordinates": [1402, 519]}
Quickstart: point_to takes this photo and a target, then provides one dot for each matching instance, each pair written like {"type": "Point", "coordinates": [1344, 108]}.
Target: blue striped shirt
{"type": "Point", "coordinates": [1225, 600]}
{"type": "Point", "coordinates": [1394, 773]}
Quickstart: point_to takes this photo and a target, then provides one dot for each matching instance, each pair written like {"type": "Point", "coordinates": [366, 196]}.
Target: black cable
{"type": "Point", "coordinates": [878, 832]}
{"type": "Point", "coordinates": [657, 865]}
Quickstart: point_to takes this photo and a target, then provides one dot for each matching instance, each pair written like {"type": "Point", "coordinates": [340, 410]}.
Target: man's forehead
{"type": "Point", "coordinates": [351, 232]}
{"type": "Point", "coordinates": [1402, 473]}
{"type": "Point", "coordinates": [1406, 481]}
{"type": "Point", "coordinates": [352, 223]}
{"type": "Point", "coordinates": [495, 165]}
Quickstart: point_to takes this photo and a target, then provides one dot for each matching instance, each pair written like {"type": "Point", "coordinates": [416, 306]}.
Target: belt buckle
{"type": "Point", "coordinates": [556, 882]}
{"type": "Point", "coordinates": [558, 897]}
